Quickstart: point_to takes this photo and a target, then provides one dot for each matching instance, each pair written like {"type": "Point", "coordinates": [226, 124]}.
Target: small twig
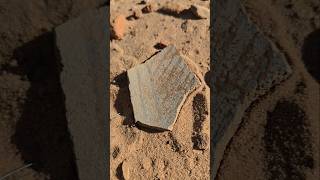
{"type": "Point", "coordinates": [14, 171]}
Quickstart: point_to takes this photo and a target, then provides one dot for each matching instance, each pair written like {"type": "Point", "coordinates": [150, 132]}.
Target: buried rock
{"type": "Point", "coordinates": [159, 87]}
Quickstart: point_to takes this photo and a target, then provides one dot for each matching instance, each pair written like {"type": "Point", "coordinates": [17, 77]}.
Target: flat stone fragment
{"type": "Point", "coordinates": [246, 65]}
{"type": "Point", "coordinates": [159, 87]}
{"type": "Point", "coordinates": [83, 47]}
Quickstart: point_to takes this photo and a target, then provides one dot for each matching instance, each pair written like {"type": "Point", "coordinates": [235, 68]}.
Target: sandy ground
{"type": "Point", "coordinates": [140, 153]}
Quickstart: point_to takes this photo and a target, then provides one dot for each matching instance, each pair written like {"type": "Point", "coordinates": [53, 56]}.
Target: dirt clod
{"type": "Point", "coordinates": [148, 8]}
{"type": "Point", "coordinates": [200, 141]}
{"type": "Point", "coordinates": [115, 152]}
{"type": "Point", "coordinates": [137, 13]}
{"type": "Point", "coordinates": [119, 27]}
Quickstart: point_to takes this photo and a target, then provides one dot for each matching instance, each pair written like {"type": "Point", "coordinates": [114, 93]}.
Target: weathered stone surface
{"type": "Point", "coordinates": [83, 47]}
{"type": "Point", "coordinates": [159, 87]}
{"type": "Point", "coordinates": [246, 65]}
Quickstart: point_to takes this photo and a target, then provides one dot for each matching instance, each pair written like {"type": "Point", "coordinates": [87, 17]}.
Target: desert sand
{"type": "Point", "coordinates": [141, 153]}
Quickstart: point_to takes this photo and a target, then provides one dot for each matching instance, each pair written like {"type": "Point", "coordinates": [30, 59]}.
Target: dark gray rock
{"type": "Point", "coordinates": [159, 87]}
{"type": "Point", "coordinates": [83, 46]}
{"type": "Point", "coordinates": [246, 65]}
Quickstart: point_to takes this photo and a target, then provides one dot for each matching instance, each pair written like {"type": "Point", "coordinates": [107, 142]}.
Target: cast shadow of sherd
{"type": "Point", "coordinates": [123, 103]}
{"type": "Point", "coordinates": [185, 14]}
{"type": "Point", "coordinates": [311, 54]}
{"type": "Point", "coordinates": [42, 136]}
{"type": "Point", "coordinates": [208, 78]}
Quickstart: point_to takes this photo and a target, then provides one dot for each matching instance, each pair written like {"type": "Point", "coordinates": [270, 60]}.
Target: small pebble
{"type": "Point", "coordinates": [116, 152]}
{"type": "Point", "coordinates": [201, 141]}
{"type": "Point", "coordinates": [162, 44]}
{"type": "Point", "coordinates": [137, 13]}
{"type": "Point", "coordinates": [148, 8]}
{"type": "Point", "coordinates": [184, 26]}
{"type": "Point", "coordinates": [200, 12]}
{"type": "Point", "coordinates": [119, 27]}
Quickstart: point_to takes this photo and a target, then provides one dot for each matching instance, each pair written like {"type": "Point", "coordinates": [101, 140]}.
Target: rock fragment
{"type": "Point", "coordinates": [200, 12]}
{"type": "Point", "coordinates": [119, 26]}
{"type": "Point", "coordinates": [81, 44]}
{"type": "Point", "coordinates": [250, 65]}
{"type": "Point", "coordinates": [159, 87]}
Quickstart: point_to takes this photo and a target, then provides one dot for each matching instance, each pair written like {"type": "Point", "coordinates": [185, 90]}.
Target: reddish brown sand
{"type": "Point", "coordinates": [139, 153]}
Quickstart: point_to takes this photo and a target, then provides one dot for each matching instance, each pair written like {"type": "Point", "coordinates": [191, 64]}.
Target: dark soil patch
{"type": "Point", "coordinates": [199, 112]}
{"type": "Point", "coordinates": [199, 115]}
{"type": "Point", "coordinates": [287, 142]}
